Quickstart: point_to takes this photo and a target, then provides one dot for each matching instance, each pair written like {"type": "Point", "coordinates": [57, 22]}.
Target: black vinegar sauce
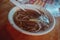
{"type": "Point", "coordinates": [21, 19]}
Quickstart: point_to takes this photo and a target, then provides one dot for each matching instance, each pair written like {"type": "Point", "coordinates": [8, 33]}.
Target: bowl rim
{"type": "Point", "coordinates": [13, 10]}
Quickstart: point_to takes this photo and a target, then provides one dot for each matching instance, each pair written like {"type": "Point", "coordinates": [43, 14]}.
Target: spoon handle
{"type": "Point", "coordinates": [34, 20]}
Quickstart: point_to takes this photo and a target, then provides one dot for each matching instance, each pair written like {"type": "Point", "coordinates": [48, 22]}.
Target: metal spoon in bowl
{"type": "Point", "coordinates": [41, 19]}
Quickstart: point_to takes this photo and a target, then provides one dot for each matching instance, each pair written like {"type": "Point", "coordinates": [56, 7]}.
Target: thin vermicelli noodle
{"type": "Point", "coordinates": [21, 19]}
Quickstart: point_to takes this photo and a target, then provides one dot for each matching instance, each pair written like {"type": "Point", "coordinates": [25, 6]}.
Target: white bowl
{"type": "Point", "coordinates": [33, 7]}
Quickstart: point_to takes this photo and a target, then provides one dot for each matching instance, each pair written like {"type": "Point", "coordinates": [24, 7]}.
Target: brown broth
{"type": "Point", "coordinates": [21, 19]}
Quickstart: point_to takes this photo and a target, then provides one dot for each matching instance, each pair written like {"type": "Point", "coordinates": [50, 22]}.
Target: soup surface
{"type": "Point", "coordinates": [23, 20]}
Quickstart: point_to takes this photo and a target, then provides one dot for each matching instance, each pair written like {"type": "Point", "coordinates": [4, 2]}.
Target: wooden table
{"type": "Point", "coordinates": [7, 32]}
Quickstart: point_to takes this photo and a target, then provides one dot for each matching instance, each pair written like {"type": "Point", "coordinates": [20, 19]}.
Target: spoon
{"type": "Point", "coordinates": [41, 19]}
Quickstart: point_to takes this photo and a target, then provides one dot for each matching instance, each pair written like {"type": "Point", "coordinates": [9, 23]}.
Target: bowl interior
{"type": "Point", "coordinates": [11, 13]}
